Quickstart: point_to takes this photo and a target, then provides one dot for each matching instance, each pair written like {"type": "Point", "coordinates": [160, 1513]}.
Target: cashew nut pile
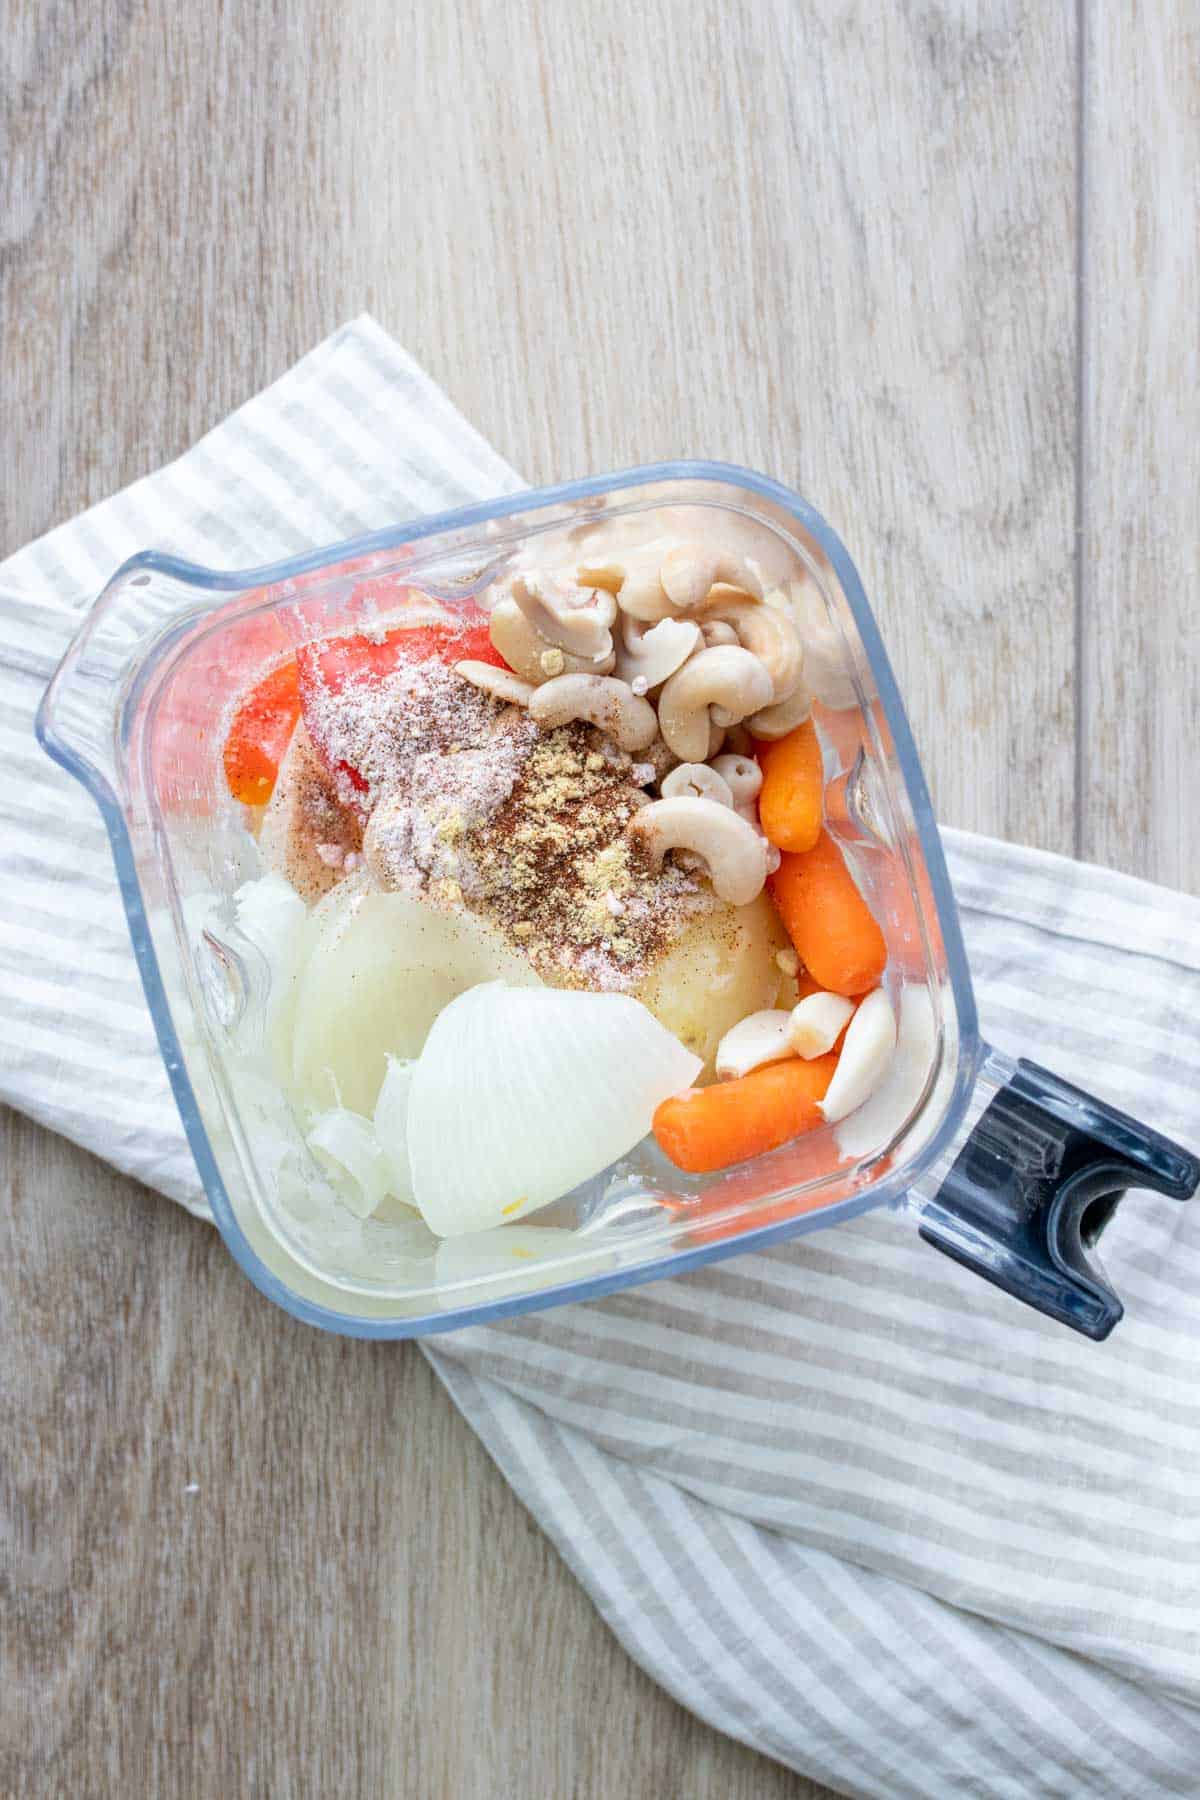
{"type": "Point", "coordinates": [674, 651]}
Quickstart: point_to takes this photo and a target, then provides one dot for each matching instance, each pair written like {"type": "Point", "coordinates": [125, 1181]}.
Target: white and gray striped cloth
{"type": "Point", "coordinates": [841, 1498]}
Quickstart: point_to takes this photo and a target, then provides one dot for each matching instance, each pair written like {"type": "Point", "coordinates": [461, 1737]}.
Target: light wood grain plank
{"type": "Point", "coordinates": [1140, 716]}
{"type": "Point", "coordinates": [351, 1601]}
{"type": "Point", "coordinates": [799, 236]}
{"type": "Point", "coordinates": [833, 242]}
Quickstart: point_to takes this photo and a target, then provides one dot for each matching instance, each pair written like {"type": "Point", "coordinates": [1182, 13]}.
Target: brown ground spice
{"type": "Point", "coordinates": [472, 804]}
{"type": "Point", "coordinates": [561, 877]}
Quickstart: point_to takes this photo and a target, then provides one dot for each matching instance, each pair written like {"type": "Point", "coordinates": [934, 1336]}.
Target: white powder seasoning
{"type": "Point", "coordinates": [468, 801]}
{"type": "Point", "coordinates": [381, 729]}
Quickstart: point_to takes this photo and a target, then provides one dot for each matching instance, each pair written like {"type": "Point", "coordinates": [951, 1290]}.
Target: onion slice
{"type": "Point", "coordinates": [391, 1126]}
{"type": "Point", "coordinates": [520, 1094]}
{"type": "Point", "coordinates": [273, 919]}
{"type": "Point", "coordinates": [346, 1144]}
{"type": "Point", "coordinates": [382, 967]}
{"type": "Point", "coordinates": [271, 914]}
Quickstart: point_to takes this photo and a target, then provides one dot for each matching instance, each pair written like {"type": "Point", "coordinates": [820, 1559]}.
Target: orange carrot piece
{"type": "Point", "coordinates": [790, 801]}
{"type": "Point", "coordinates": [710, 1128]}
{"type": "Point", "coordinates": [832, 927]}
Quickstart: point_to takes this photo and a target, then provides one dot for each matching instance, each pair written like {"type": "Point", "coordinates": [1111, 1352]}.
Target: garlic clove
{"type": "Point", "coordinates": [867, 1050]}
{"type": "Point", "coordinates": [761, 1037]}
{"type": "Point", "coordinates": [817, 1023]}
{"type": "Point", "coordinates": [898, 1095]}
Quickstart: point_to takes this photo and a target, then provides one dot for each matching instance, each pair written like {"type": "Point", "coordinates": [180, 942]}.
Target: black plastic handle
{"type": "Point", "coordinates": [1034, 1186]}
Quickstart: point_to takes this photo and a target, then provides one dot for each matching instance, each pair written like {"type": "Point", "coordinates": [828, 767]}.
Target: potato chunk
{"type": "Point", "coordinates": [721, 968]}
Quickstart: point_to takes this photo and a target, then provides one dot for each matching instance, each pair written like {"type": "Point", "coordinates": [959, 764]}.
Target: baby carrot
{"type": "Point", "coordinates": [827, 919]}
{"type": "Point", "coordinates": [790, 801]}
{"type": "Point", "coordinates": [710, 1128]}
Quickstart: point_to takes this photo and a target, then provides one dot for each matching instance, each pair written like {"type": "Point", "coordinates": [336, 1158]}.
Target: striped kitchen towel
{"type": "Point", "coordinates": [842, 1499]}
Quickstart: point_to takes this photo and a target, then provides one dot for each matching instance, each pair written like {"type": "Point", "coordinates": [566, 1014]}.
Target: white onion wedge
{"type": "Point", "coordinates": [346, 1145]}
{"type": "Point", "coordinates": [760, 1038]}
{"type": "Point", "coordinates": [391, 1126]}
{"type": "Point", "coordinates": [868, 1048]}
{"type": "Point", "coordinates": [271, 914]}
{"type": "Point", "coordinates": [520, 1094]}
{"type": "Point", "coordinates": [382, 968]}
{"type": "Point", "coordinates": [275, 920]}
{"type": "Point", "coordinates": [817, 1022]}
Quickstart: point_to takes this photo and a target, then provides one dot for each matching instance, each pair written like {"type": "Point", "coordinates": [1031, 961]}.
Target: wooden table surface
{"type": "Point", "coordinates": [935, 265]}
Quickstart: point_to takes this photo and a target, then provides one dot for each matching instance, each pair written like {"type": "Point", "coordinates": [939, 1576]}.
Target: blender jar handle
{"type": "Point", "coordinates": [1037, 1180]}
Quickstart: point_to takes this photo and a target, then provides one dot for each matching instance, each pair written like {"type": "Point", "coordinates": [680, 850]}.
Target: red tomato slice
{"type": "Point", "coordinates": [331, 665]}
{"type": "Point", "coordinates": [260, 733]}
{"type": "Point", "coordinates": [266, 717]}
{"type": "Point", "coordinates": [341, 662]}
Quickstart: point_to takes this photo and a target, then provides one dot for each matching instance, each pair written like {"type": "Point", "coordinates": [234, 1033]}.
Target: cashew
{"type": "Point", "coordinates": [592, 517]}
{"type": "Point", "coordinates": [530, 655]}
{"type": "Point", "coordinates": [641, 594]}
{"type": "Point", "coordinates": [827, 664]}
{"type": "Point", "coordinates": [651, 656]}
{"type": "Point", "coordinates": [731, 849]}
{"type": "Point", "coordinates": [716, 631]}
{"type": "Point", "coordinates": [743, 572]}
{"type": "Point", "coordinates": [698, 780]}
{"type": "Point", "coordinates": [777, 721]}
{"type": "Point", "coordinates": [608, 575]}
{"type": "Point", "coordinates": [768, 632]}
{"type": "Point", "coordinates": [761, 1037]}
{"type": "Point", "coordinates": [600, 700]}
{"type": "Point", "coordinates": [657, 583]}
{"type": "Point", "coordinates": [689, 571]}
{"type": "Point", "coordinates": [726, 677]}
{"type": "Point", "coordinates": [580, 630]}
{"type": "Point", "coordinates": [501, 684]}
{"type": "Point", "coordinates": [868, 1048]}
{"type": "Point", "coordinates": [743, 777]}
{"type": "Point", "coordinates": [817, 1023]}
